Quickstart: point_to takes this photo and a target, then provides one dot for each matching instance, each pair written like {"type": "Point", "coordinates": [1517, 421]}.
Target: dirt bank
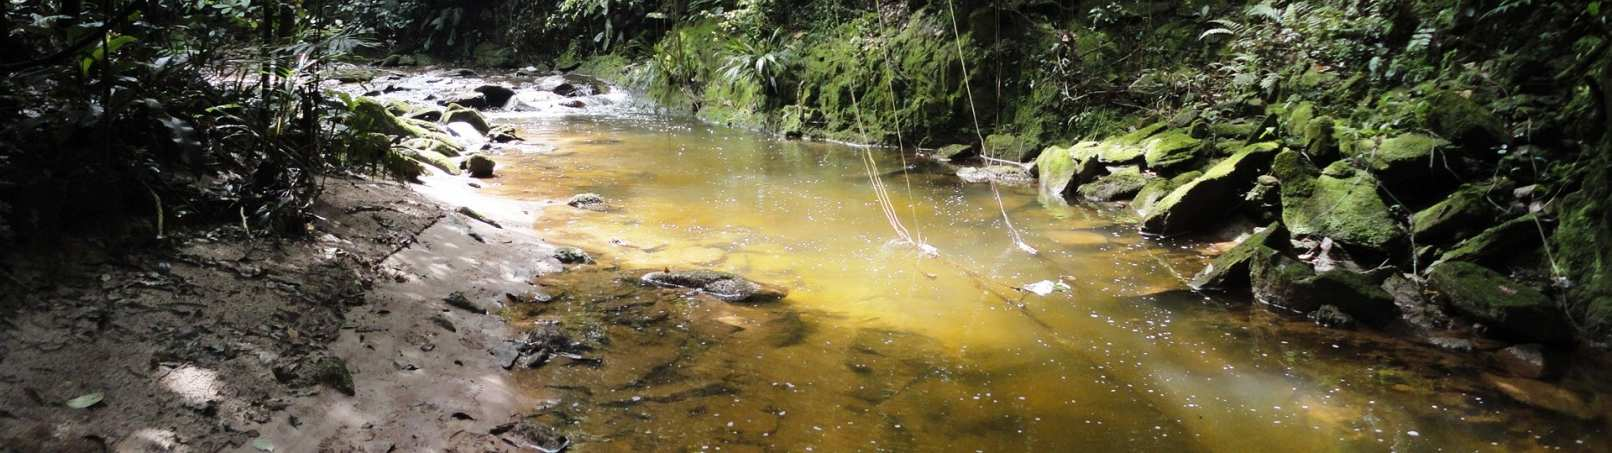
{"type": "Point", "coordinates": [338, 341]}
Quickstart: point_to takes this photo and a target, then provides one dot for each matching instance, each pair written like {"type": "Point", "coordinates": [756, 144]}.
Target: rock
{"type": "Point", "coordinates": [1157, 189]}
{"type": "Point", "coordinates": [528, 435]}
{"type": "Point", "coordinates": [503, 134]}
{"type": "Point", "coordinates": [1231, 270]}
{"type": "Point", "coordinates": [722, 285]}
{"type": "Point", "coordinates": [458, 300]}
{"type": "Point", "coordinates": [1126, 149]}
{"type": "Point", "coordinates": [1464, 121]}
{"type": "Point", "coordinates": [461, 114]}
{"type": "Point", "coordinates": [1414, 307]}
{"type": "Point", "coordinates": [1532, 361]}
{"type": "Point", "coordinates": [480, 166]}
{"type": "Point", "coordinates": [572, 85]}
{"type": "Point", "coordinates": [1507, 307]}
{"type": "Point", "coordinates": [588, 201]}
{"type": "Point", "coordinates": [1264, 201]}
{"type": "Point", "coordinates": [491, 55]}
{"type": "Point", "coordinates": [474, 100]}
{"type": "Point", "coordinates": [1453, 217]}
{"type": "Point", "coordinates": [1319, 144]}
{"type": "Point", "coordinates": [1009, 175]}
{"type": "Point", "coordinates": [1119, 185]}
{"type": "Point", "coordinates": [1286, 283]}
{"type": "Point", "coordinates": [1331, 316]}
{"type": "Point", "coordinates": [1544, 396]}
{"type": "Point", "coordinates": [413, 150]}
{"type": "Point", "coordinates": [370, 115]}
{"type": "Point", "coordinates": [353, 74]}
{"type": "Point", "coordinates": [572, 255]}
{"type": "Point", "coordinates": [955, 152]}
{"type": "Point", "coordinates": [1410, 164]}
{"type": "Point", "coordinates": [497, 96]}
{"type": "Point", "coordinates": [1205, 200]}
{"type": "Point", "coordinates": [1582, 245]}
{"type": "Point", "coordinates": [1341, 203]}
{"type": "Point", "coordinates": [1010, 147]}
{"type": "Point", "coordinates": [1236, 129]}
{"type": "Point", "coordinates": [575, 104]}
{"type": "Point", "coordinates": [1499, 243]}
{"type": "Point", "coordinates": [1171, 151]}
{"type": "Point", "coordinates": [1062, 169]}
{"type": "Point", "coordinates": [397, 60]}
{"type": "Point", "coordinates": [332, 371]}
{"type": "Point", "coordinates": [505, 353]}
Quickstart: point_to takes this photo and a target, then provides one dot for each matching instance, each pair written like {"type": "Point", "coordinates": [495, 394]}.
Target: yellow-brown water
{"type": "Point", "coordinates": [881, 348]}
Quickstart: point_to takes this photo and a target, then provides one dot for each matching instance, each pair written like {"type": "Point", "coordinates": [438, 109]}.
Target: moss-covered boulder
{"type": "Point", "coordinates": [1234, 130]}
{"type": "Point", "coordinates": [1409, 164]}
{"type": "Point", "coordinates": [1157, 189]}
{"type": "Point", "coordinates": [1010, 175]}
{"type": "Point", "coordinates": [1231, 270]}
{"type": "Point", "coordinates": [1293, 286]}
{"type": "Point", "coordinates": [1171, 151]}
{"type": "Point", "coordinates": [1583, 245]}
{"type": "Point", "coordinates": [1010, 147]}
{"type": "Point", "coordinates": [1319, 143]}
{"type": "Point", "coordinates": [1127, 148]}
{"type": "Point", "coordinates": [1205, 200]}
{"type": "Point", "coordinates": [1454, 217]}
{"type": "Point", "coordinates": [1340, 203]}
{"type": "Point", "coordinates": [1459, 118]}
{"type": "Point", "coordinates": [1119, 185]}
{"type": "Point", "coordinates": [1061, 169]}
{"type": "Point", "coordinates": [955, 152]}
{"type": "Point", "coordinates": [1514, 310]}
{"type": "Point", "coordinates": [1499, 243]}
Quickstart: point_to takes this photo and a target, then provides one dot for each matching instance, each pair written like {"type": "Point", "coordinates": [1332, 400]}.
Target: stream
{"type": "Point", "coordinates": [881, 346]}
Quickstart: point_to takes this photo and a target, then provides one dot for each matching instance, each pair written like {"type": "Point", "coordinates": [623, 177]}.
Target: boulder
{"type": "Point", "coordinates": [1157, 189]}
{"type": "Point", "coordinates": [1264, 201]}
{"type": "Point", "coordinates": [1127, 149]}
{"type": "Point", "coordinates": [1230, 270]}
{"type": "Point", "coordinates": [427, 156]}
{"type": "Point", "coordinates": [1061, 169]}
{"type": "Point", "coordinates": [1010, 147]}
{"type": "Point", "coordinates": [1205, 200]}
{"type": "Point", "coordinates": [1171, 151]}
{"type": "Point", "coordinates": [1510, 308]}
{"type": "Point", "coordinates": [1409, 164]}
{"type": "Point", "coordinates": [1456, 216]}
{"type": "Point", "coordinates": [1331, 316]}
{"type": "Point", "coordinates": [955, 152]}
{"type": "Point", "coordinates": [1339, 203]}
{"type": "Point", "coordinates": [461, 114]}
{"type": "Point", "coordinates": [1319, 143]}
{"type": "Point", "coordinates": [1010, 175]}
{"type": "Point", "coordinates": [1119, 185]}
{"type": "Point", "coordinates": [1234, 130]}
{"type": "Point", "coordinates": [572, 85]}
{"type": "Point", "coordinates": [572, 255]}
{"type": "Point", "coordinates": [370, 115]}
{"type": "Point", "coordinates": [1497, 244]}
{"type": "Point", "coordinates": [497, 95]}
{"type": "Point", "coordinates": [1464, 121]}
{"type": "Point", "coordinates": [721, 285]}
{"type": "Point", "coordinates": [1291, 285]}
{"type": "Point", "coordinates": [480, 166]}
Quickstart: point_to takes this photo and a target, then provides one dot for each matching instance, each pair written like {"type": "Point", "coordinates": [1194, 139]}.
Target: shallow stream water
{"type": "Point", "coordinates": [880, 347]}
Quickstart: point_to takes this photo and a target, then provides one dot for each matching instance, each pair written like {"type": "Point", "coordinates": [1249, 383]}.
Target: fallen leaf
{"type": "Point", "coordinates": [85, 401]}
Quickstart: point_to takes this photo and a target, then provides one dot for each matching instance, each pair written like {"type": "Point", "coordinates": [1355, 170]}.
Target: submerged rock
{"type": "Point", "coordinates": [588, 201]}
{"type": "Point", "coordinates": [1331, 316]}
{"type": "Point", "coordinates": [722, 285]}
{"type": "Point", "coordinates": [1286, 283]}
{"type": "Point", "coordinates": [1533, 361]}
{"type": "Point", "coordinates": [1545, 396]}
{"type": "Point", "coordinates": [1205, 200]}
{"type": "Point", "coordinates": [572, 255]}
{"type": "Point", "coordinates": [1506, 306]}
{"type": "Point", "coordinates": [1008, 175]}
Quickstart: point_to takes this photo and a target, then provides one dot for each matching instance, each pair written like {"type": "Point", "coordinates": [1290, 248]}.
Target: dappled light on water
{"type": "Point", "coordinates": [974, 345]}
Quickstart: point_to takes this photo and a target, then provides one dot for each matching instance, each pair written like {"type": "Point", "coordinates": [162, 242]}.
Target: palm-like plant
{"type": "Point", "coordinates": [763, 60]}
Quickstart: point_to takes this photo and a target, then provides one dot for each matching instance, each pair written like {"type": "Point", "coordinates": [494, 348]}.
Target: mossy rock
{"type": "Point", "coordinates": [1410, 164]}
{"type": "Point", "coordinates": [457, 113]}
{"type": "Point", "coordinates": [1583, 245]}
{"type": "Point", "coordinates": [1292, 286]}
{"type": "Point", "coordinates": [1463, 120]}
{"type": "Point", "coordinates": [1127, 148]}
{"type": "Point", "coordinates": [420, 150]}
{"type": "Point", "coordinates": [1340, 203]}
{"type": "Point", "coordinates": [1231, 270]}
{"type": "Point", "coordinates": [1170, 151]}
{"type": "Point", "coordinates": [332, 371]}
{"type": "Point", "coordinates": [1298, 117]}
{"type": "Point", "coordinates": [1010, 147]}
{"type": "Point", "coordinates": [1499, 243]}
{"type": "Point", "coordinates": [1157, 189]}
{"type": "Point", "coordinates": [1061, 169]}
{"type": "Point", "coordinates": [1517, 311]}
{"type": "Point", "coordinates": [370, 115]}
{"type": "Point", "coordinates": [1236, 129]}
{"type": "Point", "coordinates": [1205, 200]}
{"type": "Point", "coordinates": [1319, 143]}
{"type": "Point", "coordinates": [1115, 186]}
{"type": "Point", "coordinates": [1461, 212]}
{"type": "Point", "coordinates": [955, 152]}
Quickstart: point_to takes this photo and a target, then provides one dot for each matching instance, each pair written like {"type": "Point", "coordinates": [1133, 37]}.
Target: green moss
{"type": "Point", "coordinates": [456, 113]}
{"type": "Point", "coordinates": [1341, 204]}
{"type": "Point", "coordinates": [1497, 301]}
{"type": "Point", "coordinates": [1210, 196]}
{"type": "Point", "coordinates": [1115, 186]}
{"type": "Point", "coordinates": [1462, 210]}
{"type": "Point", "coordinates": [1459, 118]}
{"type": "Point", "coordinates": [1009, 147]}
{"type": "Point", "coordinates": [1171, 150]}
{"type": "Point", "coordinates": [1497, 243]}
{"type": "Point", "coordinates": [1231, 270]}
{"type": "Point", "coordinates": [1056, 168]}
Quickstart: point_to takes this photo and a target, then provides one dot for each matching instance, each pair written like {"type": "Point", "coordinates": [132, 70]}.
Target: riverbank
{"type": "Point", "coordinates": [337, 340]}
